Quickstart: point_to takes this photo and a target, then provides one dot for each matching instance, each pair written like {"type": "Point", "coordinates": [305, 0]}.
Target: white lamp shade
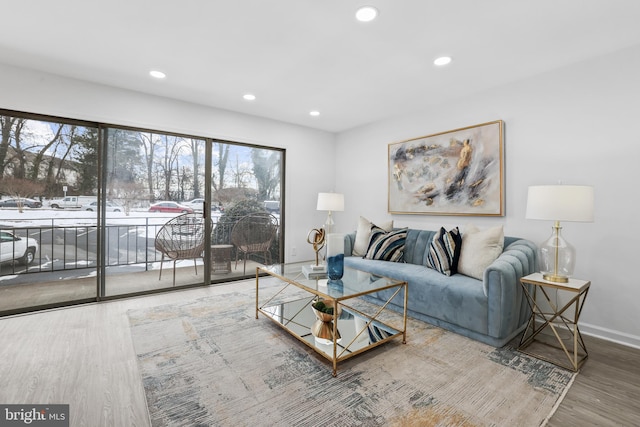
{"type": "Point", "coordinates": [330, 202]}
{"type": "Point", "coordinates": [560, 203]}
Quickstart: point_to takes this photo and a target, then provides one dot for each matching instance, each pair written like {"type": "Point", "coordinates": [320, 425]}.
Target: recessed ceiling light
{"type": "Point", "coordinates": [366, 14]}
{"type": "Point", "coordinates": [157, 74]}
{"type": "Point", "coordinates": [249, 97]}
{"type": "Point", "coordinates": [314, 113]}
{"type": "Point", "coordinates": [443, 60]}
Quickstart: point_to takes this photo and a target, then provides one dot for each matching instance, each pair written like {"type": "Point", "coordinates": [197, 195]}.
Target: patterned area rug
{"type": "Point", "coordinates": [209, 362]}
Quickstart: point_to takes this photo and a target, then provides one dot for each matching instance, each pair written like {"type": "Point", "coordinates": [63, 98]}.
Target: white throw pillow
{"type": "Point", "coordinates": [363, 235]}
{"type": "Point", "coordinates": [479, 249]}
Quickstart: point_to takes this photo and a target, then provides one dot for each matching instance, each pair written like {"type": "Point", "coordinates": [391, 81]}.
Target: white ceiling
{"type": "Point", "coordinates": [302, 55]}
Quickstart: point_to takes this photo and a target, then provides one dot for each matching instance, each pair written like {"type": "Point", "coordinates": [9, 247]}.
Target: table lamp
{"type": "Point", "coordinates": [559, 203]}
{"type": "Point", "coordinates": [332, 202]}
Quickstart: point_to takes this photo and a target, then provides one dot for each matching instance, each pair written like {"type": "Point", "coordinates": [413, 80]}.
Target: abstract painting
{"type": "Point", "coordinates": [458, 172]}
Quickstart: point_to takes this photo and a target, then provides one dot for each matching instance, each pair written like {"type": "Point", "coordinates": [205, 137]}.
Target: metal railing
{"type": "Point", "coordinates": [74, 247]}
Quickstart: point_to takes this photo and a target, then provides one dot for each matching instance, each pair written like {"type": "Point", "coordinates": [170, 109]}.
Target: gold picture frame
{"type": "Point", "coordinates": [457, 172]}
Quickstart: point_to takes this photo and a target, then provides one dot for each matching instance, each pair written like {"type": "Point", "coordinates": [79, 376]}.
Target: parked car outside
{"type": "Point", "coordinates": [171, 207]}
{"type": "Point", "coordinates": [110, 206]}
{"type": "Point", "coordinates": [195, 204]}
{"type": "Point", "coordinates": [26, 203]}
{"type": "Point", "coordinates": [272, 206]}
{"type": "Point", "coordinates": [16, 248]}
{"type": "Point", "coordinates": [73, 202]}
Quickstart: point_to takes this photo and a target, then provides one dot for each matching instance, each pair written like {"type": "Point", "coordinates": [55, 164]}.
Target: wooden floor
{"type": "Point", "coordinates": [606, 392]}
{"type": "Point", "coordinates": [84, 356]}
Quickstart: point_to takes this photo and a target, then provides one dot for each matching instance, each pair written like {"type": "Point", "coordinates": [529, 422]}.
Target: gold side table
{"type": "Point", "coordinates": [549, 314]}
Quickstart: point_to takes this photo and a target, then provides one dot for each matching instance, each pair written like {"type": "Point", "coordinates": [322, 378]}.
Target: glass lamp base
{"type": "Point", "coordinates": [557, 258]}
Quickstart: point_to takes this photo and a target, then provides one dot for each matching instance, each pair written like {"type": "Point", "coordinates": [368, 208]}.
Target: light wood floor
{"type": "Point", "coordinates": [84, 356]}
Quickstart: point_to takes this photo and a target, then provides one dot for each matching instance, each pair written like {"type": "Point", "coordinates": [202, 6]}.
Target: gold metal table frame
{"type": "Point", "coordinates": [559, 318]}
{"type": "Point", "coordinates": [353, 344]}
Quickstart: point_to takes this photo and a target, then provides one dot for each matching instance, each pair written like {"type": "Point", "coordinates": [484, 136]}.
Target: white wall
{"type": "Point", "coordinates": [306, 174]}
{"type": "Point", "coordinates": [577, 124]}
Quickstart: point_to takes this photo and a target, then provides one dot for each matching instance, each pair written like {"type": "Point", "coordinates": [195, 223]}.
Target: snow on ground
{"type": "Point", "coordinates": [11, 218]}
{"type": "Point", "coordinates": [139, 222]}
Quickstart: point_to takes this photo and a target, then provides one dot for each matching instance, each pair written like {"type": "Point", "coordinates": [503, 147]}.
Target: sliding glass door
{"type": "Point", "coordinates": [156, 181]}
{"type": "Point", "coordinates": [175, 233]}
{"type": "Point", "coordinates": [91, 211]}
{"type": "Point", "coordinates": [49, 230]}
{"type": "Point", "coordinates": [246, 188]}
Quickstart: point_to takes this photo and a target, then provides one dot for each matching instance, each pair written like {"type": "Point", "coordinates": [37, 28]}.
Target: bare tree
{"type": "Point", "coordinates": [68, 146]}
{"type": "Point", "coordinates": [227, 196]}
{"type": "Point", "coordinates": [123, 157]}
{"type": "Point", "coordinates": [18, 159]}
{"type": "Point", "coordinates": [195, 144]}
{"type": "Point", "coordinates": [266, 169]}
{"type": "Point", "coordinates": [6, 126]}
{"type": "Point", "coordinates": [35, 169]}
{"type": "Point", "coordinates": [127, 193]}
{"type": "Point", "coordinates": [20, 188]}
{"type": "Point", "coordinates": [149, 145]}
{"type": "Point", "coordinates": [221, 163]}
{"type": "Point", "coordinates": [241, 174]}
{"type": "Point", "coordinates": [185, 180]}
{"type": "Point", "coordinates": [171, 147]}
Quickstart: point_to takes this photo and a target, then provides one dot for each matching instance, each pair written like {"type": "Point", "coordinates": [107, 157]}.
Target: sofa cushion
{"type": "Point", "coordinates": [444, 251]}
{"type": "Point", "coordinates": [479, 249]}
{"type": "Point", "coordinates": [363, 235]}
{"type": "Point", "coordinates": [386, 246]}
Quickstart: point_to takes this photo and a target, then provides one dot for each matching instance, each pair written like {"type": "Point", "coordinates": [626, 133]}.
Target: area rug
{"type": "Point", "coordinates": [210, 362]}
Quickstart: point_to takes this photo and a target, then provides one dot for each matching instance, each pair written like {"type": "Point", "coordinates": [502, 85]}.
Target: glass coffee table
{"type": "Point", "coordinates": [357, 323]}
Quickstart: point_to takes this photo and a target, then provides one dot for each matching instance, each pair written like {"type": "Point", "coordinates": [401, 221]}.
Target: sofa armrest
{"type": "Point", "coordinates": [349, 241]}
{"type": "Point", "coordinates": [508, 308]}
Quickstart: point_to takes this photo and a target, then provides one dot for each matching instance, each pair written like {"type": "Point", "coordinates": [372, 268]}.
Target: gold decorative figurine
{"type": "Point", "coordinates": [316, 238]}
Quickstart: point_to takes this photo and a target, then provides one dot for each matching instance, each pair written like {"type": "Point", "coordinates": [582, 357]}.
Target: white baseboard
{"type": "Point", "coordinates": [610, 335]}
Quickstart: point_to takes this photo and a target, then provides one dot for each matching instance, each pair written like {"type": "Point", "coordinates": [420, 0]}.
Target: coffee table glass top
{"type": "Point", "coordinates": [353, 282]}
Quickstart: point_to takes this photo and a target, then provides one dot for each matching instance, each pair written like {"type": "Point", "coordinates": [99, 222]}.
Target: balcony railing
{"type": "Point", "coordinates": [72, 247]}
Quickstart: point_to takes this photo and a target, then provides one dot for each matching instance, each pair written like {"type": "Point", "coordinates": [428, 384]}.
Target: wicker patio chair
{"type": "Point", "coordinates": [181, 238]}
{"type": "Point", "coordinates": [254, 233]}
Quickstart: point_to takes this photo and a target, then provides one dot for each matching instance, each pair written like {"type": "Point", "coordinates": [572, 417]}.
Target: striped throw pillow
{"type": "Point", "coordinates": [444, 251]}
{"type": "Point", "coordinates": [386, 246]}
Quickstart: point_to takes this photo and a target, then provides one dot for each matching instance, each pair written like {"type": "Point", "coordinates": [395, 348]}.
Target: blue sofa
{"type": "Point", "coordinates": [492, 311]}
